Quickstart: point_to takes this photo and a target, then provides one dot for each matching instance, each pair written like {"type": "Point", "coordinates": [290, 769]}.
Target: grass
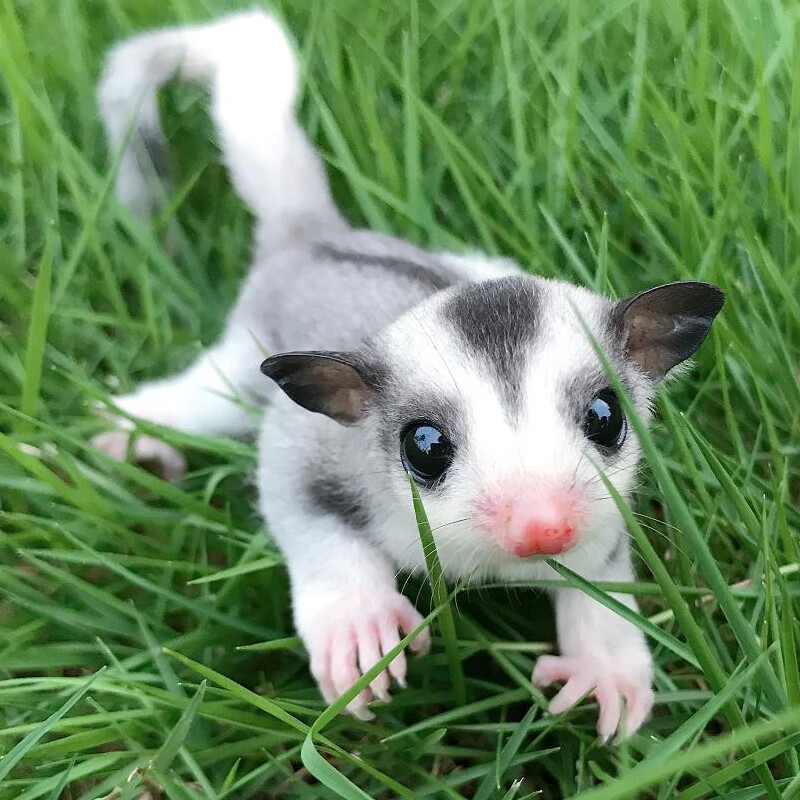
{"type": "Point", "coordinates": [145, 634]}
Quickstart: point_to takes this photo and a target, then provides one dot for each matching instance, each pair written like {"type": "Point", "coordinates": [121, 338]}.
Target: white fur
{"type": "Point", "coordinates": [250, 65]}
{"type": "Point", "coordinates": [601, 654]}
{"type": "Point", "coordinates": [542, 443]}
{"type": "Point", "coordinates": [346, 604]}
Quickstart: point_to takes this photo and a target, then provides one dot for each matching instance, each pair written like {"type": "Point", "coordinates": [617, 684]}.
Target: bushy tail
{"type": "Point", "coordinates": [251, 69]}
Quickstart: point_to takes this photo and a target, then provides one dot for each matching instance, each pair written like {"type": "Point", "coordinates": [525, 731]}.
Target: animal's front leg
{"type": "Point", "coordinates": [350, 615]}
{"type": "Point", "coordinates": [601, 654]}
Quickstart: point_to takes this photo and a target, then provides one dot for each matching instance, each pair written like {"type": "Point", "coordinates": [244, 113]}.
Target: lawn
{"type": "Point", "coordinates": [146, 643]}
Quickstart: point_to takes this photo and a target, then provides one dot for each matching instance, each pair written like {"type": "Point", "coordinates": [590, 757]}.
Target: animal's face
{"type": "Point", "coordinates": [493, 398]}
{"type": "Point", "coordinates": [496, 403]}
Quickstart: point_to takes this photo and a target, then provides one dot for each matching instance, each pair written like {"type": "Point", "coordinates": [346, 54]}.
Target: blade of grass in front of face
{"type": "Point", "coordinates": [625, 612]}
{"type": "Point", "coordinates": [447, 624]}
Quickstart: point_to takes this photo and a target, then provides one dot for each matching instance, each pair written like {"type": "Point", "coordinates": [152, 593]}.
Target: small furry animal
{"type": "Point", "coordinates": [476, 379]}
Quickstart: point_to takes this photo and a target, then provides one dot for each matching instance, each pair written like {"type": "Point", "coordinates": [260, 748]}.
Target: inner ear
{"type": "Point", "coordinates": [664, 326]}
{"type": "Point", "coordinates": [327, 383]}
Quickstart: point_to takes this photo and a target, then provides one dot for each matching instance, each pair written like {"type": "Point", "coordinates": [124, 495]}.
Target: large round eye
{"type": "Point", "coordinates": [426, 451]}
{"type": "Point", "coordinates": [605, 423]}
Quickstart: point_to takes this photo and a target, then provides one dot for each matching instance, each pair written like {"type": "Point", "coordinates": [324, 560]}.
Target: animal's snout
{"type": "Point", "coordinates": [545, 536]}
{"type": "Point", "coordinates": [533, 517]}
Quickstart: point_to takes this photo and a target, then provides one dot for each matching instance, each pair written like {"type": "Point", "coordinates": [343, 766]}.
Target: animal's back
{"type": "Point", "coordinates": [337, 291]}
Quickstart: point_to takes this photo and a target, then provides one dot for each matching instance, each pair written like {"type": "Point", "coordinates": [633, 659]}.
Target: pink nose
{"type": "Point", "coordinates": [545, 537]}
{"type": "Point", "coordinates": [532, 516]}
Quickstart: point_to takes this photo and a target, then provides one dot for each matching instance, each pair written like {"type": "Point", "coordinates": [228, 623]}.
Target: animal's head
{"type": "Point", "coordinates": [494, 399]}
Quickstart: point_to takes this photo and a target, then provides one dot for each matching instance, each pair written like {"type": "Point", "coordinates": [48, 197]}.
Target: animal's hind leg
{"type": "Point", "coordinates": [212, 397]}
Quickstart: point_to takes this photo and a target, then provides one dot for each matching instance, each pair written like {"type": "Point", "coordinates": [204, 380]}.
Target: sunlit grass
{"type": "Point", "coordinates": [145, 628]}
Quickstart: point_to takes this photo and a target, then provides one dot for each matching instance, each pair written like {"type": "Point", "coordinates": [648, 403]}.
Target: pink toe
{"type": "Point", "coordinates": [321, 672]}
{"type": "Point", "coordinates": [389, 640]}
{"type": "Point", "coordinates": [638, 705]}
{"type": "Point", "coordinates": [550, 669]}
{"type": "Point", "coordinates": [610, 702]}
{"type": "Point", "coordinates": [344, 671]}
{"type": "Point", "coordinates": [574, 690]}
{"type": "Point", "coordinates": [369, 654]}
{"type": "Point", "coordinates": [410, 619]}
{"type": "Point", "coordinates": [358, 708]}
{"type": "Point", "coordinates": [114, 444]}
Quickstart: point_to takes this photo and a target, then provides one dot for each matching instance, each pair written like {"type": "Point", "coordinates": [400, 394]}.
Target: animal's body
{"type": "Point", "coordinates": [478, 380]}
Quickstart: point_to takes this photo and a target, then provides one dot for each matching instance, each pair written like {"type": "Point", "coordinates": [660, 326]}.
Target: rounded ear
{"type": "Point", "coordinates": [326, 383]}
{"type": "Point", "coordinates": [664, 326]}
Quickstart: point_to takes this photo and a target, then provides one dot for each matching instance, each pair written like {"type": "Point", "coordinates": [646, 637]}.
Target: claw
{"type": "Point", "coordinates": [363, 634]}
{"type": "Point", "coordinates": [611, 681]}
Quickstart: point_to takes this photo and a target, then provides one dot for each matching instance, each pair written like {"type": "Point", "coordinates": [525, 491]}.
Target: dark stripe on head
{"type": "Point", "coordinates": [432, 275]}
{"type": "Point", "coordinates": [498, 320]}
{"type": "Point", "coordinates": [332, 495]}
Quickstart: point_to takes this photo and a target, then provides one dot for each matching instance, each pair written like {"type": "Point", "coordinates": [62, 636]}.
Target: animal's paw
{"type": "Point", "coordinates": [345, 636]}
{"type": "Point", "coordinates": [610, 679]}
{"type": "Point", "coordinates": [168, 462]}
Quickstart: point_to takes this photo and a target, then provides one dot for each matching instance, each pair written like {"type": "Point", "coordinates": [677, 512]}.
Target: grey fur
{"type": "Point", "coordinates": [428, 274]}
{"type": "Point", "coordinates": [303, 297]}
{"type": "Point", "coordinates": [398, 406]}
{"type": "Point", "coordinates": [665, 325]}
{"type": "Point", "coordinates": [497, 321]}
{"type": "Point", "coordinates": [619, 550]}
{"type": "Point", "coordinates": [332, 495]}
{"type": "Point", "coordinates": [406, 321]}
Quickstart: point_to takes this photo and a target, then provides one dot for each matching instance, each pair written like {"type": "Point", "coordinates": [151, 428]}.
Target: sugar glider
{"type": "Point", "coordinates": [386, 360]}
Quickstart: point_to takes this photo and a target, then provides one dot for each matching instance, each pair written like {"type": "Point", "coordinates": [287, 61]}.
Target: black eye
{"type": "Point", "coordinates": [426, 451]}
{"type": "Point", "coordinates": [605, 424]}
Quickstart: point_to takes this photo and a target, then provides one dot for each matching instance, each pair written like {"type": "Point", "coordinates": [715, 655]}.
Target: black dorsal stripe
{"type": "Point", "coordinates": [432, 275]}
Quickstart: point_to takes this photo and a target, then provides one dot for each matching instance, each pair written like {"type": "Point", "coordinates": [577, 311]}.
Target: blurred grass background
{"type": "Point", "coordinates": [616, 144]}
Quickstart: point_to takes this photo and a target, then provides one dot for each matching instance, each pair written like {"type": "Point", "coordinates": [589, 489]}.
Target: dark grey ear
{"type": "Point", "coordinates": [664, 326]}
{"type": "Point", "coordinates": [328, 383]}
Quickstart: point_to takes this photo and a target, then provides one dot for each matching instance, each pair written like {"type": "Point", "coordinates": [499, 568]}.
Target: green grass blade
{"type": "Point", "coordinates": [20, 750]}
{"type": "Point", "coordinates": [37, 331]}
{"type": "Point", "coordinates": [644, 775]}
{"type": "Point", "coordinates": [447, 624]}
{"type": "Point", "coordinates": [177, 736]}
